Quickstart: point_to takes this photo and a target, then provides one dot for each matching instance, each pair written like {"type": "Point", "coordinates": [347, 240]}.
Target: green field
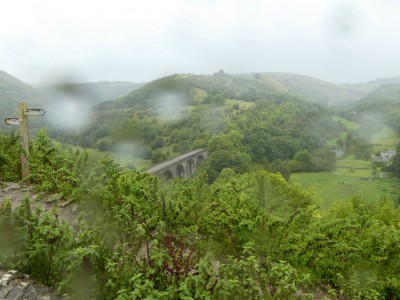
{"type": "Point", "coordinates": [348, 124]}
{"type": "Point", "coordinates": [386, 138]}
{"type": "Point", "coordinates": [331, 186]}
{"type": "Point", "coordinates": [351, 177]}
{"type": "Point", "coordinates": [350, 162]}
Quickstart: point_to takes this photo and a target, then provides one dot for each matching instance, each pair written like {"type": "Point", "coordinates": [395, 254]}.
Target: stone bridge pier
{"type": "Point", "coordinates": [183, 166]}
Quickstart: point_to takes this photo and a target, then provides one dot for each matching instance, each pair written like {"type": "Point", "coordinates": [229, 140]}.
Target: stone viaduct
{"type": "Point", "coordinates": [183, 166]}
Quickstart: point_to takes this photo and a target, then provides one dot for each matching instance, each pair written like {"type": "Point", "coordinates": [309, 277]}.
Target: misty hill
{"type": "Point", "coordinates": [246, 87]}
{"type": "Point", "coordinates": [93, 92]}
{"type": "Point", "coordinates": [383, 102]}
{"type": "Point", "coordinates": [177, 113]}
{"type": "Point", "coordinates": [323, 92]}
{"type": "Point", "coordinates": [12, 92]}
{"type": "Point", "coordinates": [384, 97]}
{"type": "Point", "coordinates": [57, 100]}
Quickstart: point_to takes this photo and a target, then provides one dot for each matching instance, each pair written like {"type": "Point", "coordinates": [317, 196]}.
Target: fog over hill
{"type": "Point", "coordinates": [251, 87]}
{"type": "Point", "coordinates": [70, 104]}
{"type": "Point", "coordinates": [96, 92]}
{"type": "Point", "coordinates": [12, 92]}
{"type": "Point", "coordinates": [61, 100]}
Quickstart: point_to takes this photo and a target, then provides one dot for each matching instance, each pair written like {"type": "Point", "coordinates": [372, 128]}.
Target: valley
{"type": "Point", "coordinates": [170, 116]}
{"type": "Point", "coordinates": [297, 198]}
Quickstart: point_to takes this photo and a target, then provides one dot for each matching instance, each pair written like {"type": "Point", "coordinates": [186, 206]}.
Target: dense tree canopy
{"type": "Point", "coordinates": [271, 131]}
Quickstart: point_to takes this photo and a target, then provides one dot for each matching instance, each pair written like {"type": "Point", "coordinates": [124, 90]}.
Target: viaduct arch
{"type": "Point", "coordinates": [183, 166]}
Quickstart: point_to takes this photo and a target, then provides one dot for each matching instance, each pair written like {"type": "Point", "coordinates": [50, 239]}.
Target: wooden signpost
{"type": "Point", "coordinates": [22, 121]}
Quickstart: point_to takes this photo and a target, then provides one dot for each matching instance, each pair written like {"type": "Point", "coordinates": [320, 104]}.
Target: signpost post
{"type": "Point", "coordinates": [22, 121]}
{"type": "Point", "coordinates": [23, 128]}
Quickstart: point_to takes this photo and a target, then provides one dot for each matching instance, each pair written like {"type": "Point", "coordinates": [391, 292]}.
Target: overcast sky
{"type": "Point", "coordinates": [138, 41]}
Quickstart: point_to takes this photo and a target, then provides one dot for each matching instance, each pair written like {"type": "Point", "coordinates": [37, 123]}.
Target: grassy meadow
{"type": "Point", "coordinates": [344, 183]}
{"type": "Point", "coordinates": [352, 176]}
{"type": "Point", "coordinates": [385, 138]}
{"type": "Point", "coordinates": [347, 123]}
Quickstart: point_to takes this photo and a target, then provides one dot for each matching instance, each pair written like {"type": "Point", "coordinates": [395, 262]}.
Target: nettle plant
{"type": "Point", "coordinates": [55, 169]}
{"type": "Point", "coordinates": [10, 158]}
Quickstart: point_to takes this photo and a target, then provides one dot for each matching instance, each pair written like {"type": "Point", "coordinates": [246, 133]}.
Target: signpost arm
{"type": "Point", "coordinates": [23, 126]}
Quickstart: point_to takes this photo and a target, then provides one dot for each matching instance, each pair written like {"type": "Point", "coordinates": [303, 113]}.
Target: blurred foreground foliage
{"type": "Point", "coordinates": [249, 236]}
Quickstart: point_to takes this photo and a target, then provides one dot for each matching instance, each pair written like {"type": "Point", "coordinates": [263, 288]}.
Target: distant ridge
{"type": "Point", "coordinates": [249, 87]}
{"type": "Point", "coordinates": [97, 92]}
{"type": "Point", "coordinates": [12, 92]}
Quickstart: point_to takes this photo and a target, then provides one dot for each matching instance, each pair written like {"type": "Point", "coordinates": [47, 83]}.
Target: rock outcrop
{"type": "Point", "coordinates": [66, 209]}
{"type": "Point", "coordinates": [13, 284]}
{"type": "Point", "coordinates": [17, 286]}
